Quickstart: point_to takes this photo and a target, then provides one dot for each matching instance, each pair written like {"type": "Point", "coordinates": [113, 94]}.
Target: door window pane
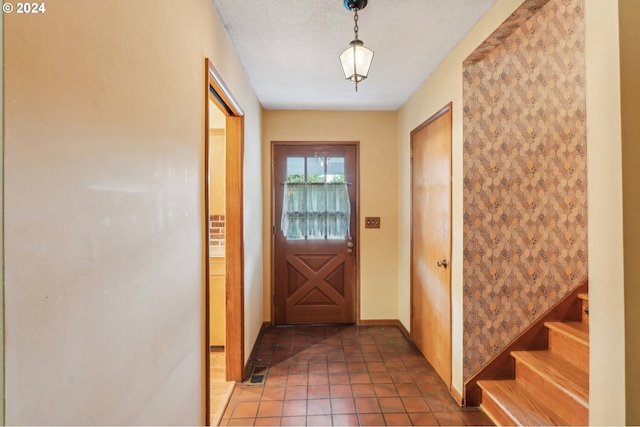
{"type": "Point", "coordinates": [335, 169]}
{"type": "Point", "coordinates": [315, 169]}
{"type": "Point", "coordinates": [295, 169]}
{"type": "Point", "coordinates": [316, 201]}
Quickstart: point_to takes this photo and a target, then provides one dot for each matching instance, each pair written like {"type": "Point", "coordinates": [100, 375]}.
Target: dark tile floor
{"type": "Point", "coordinates": [344, 376]}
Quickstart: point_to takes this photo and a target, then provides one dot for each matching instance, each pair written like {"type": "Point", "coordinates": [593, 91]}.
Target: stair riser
{"type": "Point", "coordinates": [552, 396]}
{"type": "Point", "coordinates": [571, 350]}
{"type": "Point", "coordinates": [494, 411]}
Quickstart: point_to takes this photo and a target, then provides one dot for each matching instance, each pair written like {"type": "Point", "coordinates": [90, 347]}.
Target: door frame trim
{"type": "Point", "coordinates": [274, 144]}
{"type": "Point", "coordinates": [219, 94]}
{"type": "Point", "coordinates": [446, 109]}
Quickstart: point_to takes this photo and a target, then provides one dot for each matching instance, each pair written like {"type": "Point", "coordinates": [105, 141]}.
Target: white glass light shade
{"type": "Point", "coordinates": [356, 61]}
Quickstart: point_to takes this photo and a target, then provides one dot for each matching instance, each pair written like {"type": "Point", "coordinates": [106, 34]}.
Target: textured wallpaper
{"type": "Point", "coordinates": [525, 176]}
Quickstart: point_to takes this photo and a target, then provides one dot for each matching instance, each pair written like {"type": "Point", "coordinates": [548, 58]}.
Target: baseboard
{"type": "Point", "coordinates": [390, 322]}
{"type": "Point", "coordinates": [247, 366]}
{"type": "Point", "coordinates": [404, 330]}
{"type": "Point", "coordinates": [456, 396]}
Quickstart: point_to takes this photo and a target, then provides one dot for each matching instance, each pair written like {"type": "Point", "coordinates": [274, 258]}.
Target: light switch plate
{"type": "Point", "coordinates": [372, 222]}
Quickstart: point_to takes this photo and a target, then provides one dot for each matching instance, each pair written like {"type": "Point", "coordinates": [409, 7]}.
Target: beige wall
{"type": "Point", "coordinates": [606, 279]}
{"type": "Point", "coordinates": [604, 213]}
{"type": "Point", "coordinates": [443, 86]}
{"type": "Point", "coordinates": [629, 12]}
{"type": "Point", "coordinates": [376, 132]}
{"type": "Point", "coordinates": [104, 146]}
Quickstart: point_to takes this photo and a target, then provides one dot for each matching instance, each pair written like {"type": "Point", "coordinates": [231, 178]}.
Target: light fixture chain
{"type": "Point", "coordinates": [355, 20]}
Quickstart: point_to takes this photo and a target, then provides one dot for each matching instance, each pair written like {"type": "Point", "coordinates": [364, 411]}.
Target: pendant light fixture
{"type": "Point", "coordinates": [356, 59]}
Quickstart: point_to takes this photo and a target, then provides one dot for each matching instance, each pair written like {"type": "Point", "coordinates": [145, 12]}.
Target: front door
{"type": "Point", "coordinates": [431, 241]}
{"type": "Point", "coordinates": [315, 241]}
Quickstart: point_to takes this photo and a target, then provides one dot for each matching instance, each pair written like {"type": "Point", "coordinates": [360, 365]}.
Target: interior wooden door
{"type": "Point", "coordinates": [431, 241]}
{"type": "Point", "coordinates": [315, 242]}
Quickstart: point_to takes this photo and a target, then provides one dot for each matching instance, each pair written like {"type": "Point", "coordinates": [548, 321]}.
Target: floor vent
{"type": "Point", "coordinates": [258, 375]}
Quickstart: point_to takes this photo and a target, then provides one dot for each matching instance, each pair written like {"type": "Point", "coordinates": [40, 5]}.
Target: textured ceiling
{"type": "Point", "coordinates": [289, 48]}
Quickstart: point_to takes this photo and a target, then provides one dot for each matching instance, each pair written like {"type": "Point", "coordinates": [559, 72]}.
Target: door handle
{"type": "Point", "coordinates": [350, 247]}
{"type": "Point", "coordinates": [444, 263]}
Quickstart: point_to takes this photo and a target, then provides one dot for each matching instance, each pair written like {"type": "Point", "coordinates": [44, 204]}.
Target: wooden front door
{"type": "Point", "coordinates": [431, 241]}
{"type": "Point", "coordinates": [315, 241]}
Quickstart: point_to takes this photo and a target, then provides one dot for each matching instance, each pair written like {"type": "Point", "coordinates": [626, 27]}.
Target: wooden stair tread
{"type": "Point", "coordinates": [575, 330]}
{"type": "Point", "coordinates": [584, 297]}
{"type": "Point", "coordinates": [560, 372]}
{"type": "Point", "coordinates": [520, 404]}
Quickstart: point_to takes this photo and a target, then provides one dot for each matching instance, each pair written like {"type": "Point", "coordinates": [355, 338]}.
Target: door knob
{"type": "Point", "coordinates": [442, 263]}
{"type": "Point", "coordinates": [350, 244]}
{"type": "Point", "coordinates": [349, 250]}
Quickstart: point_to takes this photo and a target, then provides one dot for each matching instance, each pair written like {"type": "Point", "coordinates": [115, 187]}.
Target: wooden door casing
{"type": "Point", "coordinates": [314, 281]}
{"type": "Point", "coordinates": [218, 93]}
{"type": "Point", "coordinates": [431, 241]}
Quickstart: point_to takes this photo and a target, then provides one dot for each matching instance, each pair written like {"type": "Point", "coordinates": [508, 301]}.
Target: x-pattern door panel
{"type": "Point", "coordinates": [313, 288]}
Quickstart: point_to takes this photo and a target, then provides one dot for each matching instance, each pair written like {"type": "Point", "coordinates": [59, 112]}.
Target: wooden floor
{"type": "Point", "coordinates": [219, 389]}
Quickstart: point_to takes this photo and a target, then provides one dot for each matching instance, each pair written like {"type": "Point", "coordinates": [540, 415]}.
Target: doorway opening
{"type": "Point", "coordinates": [223, 192]}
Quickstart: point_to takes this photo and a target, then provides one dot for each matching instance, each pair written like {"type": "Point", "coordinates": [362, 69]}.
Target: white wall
{"type": "Point", "coordinates": [104, 196]}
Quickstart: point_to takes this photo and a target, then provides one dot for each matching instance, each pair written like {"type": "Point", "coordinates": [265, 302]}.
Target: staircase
{"type": "Point", "coordinates": [551, 387]}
